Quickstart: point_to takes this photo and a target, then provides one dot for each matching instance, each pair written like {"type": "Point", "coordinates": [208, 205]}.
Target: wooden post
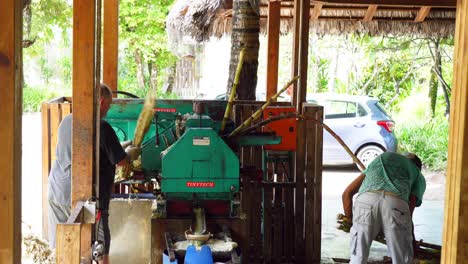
{"type": "Point", "coordinates": [111, 43]}
{"type": "Point", "coordinates": [84, 109]}
{"type": "Point", "coordinates": [10, 130]}
{"type": "Point", "coordinates": [68, 243]}
{"type": "Point", "coordinates": [274, 8]}
{"type": "Point", "coordinates": [313, 172]}
{"type": "Point", "coordinates": [295, 46]}
{"type": "Point", "coordinates": [455, 245]}
{"type": "Point", "coordinates": [303, 55]}
{"type": "Point", "coordinates": [300, 95]}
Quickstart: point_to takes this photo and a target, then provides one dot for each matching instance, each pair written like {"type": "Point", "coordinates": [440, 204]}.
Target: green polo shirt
{"type": "Point", "coordinates": [394, 173]}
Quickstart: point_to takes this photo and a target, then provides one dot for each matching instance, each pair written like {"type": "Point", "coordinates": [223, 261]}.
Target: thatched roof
{"type": "Point", "coordinates": [201, 19]}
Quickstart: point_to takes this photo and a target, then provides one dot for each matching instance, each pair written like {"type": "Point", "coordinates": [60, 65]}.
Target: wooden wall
{"type": "Point", "coordinates": [52, 114]}
{"type": "Point", "coordinates": [10, 130]}
{"type": "Point", "coordinates": [455, 243]}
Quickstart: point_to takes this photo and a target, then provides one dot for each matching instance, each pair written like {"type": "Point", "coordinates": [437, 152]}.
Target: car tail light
{"type": "Point", "coordinates": [388, 125]}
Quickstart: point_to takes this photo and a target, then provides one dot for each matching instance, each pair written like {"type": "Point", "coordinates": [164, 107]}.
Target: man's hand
{"type": "Point", "coordinates": [133, 152]}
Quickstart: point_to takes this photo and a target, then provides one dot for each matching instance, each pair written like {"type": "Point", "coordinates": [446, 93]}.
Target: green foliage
{"type": "Point", "coordinates": [34, 97]}
{"type": "Point", "coordinates": [322, 75]}
{"type": "Point", "coordinates": [49, 17]}
{"type": "Point", "coordinates": [142, 30]}
{"type": "Point", "coordinates": [429, 140]}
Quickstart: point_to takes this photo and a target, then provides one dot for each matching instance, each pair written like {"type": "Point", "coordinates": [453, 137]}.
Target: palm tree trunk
{"type": "Point", "coordinates": [245, 34]}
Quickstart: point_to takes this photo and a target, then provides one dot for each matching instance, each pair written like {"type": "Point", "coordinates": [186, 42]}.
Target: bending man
{"type": "Point", "coordinates": [389, 190]}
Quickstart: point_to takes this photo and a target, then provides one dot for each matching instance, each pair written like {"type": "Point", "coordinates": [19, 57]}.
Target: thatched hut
{"type": "Point", "coordinates": [201, 19]}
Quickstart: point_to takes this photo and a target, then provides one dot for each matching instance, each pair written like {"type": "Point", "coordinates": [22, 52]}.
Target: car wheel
{"type": "Point", "coordinates": [368, 153]}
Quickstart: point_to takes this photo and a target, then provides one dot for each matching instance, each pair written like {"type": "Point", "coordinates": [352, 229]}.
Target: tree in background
{"type": "Point", "coordinates": [143, 39]}
{"type": "Point", "coordinates": [245, 34]}
{"type": "Point", "coordinates": [46, 51]}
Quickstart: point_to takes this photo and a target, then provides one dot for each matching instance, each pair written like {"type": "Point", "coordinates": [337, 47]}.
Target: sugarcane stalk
{"type": "Point", "coordinates": [228, 111]}
{"type": "Point", "coordinates": [143, 124]}
{"type": "Point", "coordinates": [144, 120]}
{"type": "Point", "coordinates": [258, 113]}
{"type": "Point", "coordinates": [340, 141]}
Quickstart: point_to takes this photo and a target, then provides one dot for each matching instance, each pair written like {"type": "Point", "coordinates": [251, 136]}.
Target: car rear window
{"type": "Point", "coordinates": [340, 109]}
{"type": "Point", "coordinates": [380, 107]}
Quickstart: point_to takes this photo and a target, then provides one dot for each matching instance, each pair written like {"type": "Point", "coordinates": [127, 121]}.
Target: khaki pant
{"type": "Point", "coordinates": [375, 212]}
{"type": "Point", "coordinates": [58, 213]}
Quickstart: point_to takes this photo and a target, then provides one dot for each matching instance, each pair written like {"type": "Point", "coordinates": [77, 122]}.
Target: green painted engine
{"type": "Point", "coordinates": [184, 153]}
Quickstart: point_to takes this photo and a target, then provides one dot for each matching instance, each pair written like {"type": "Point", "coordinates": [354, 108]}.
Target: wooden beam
{"type": "Point", "coordinates": [455, 245]}
{"type": "Point", "coordinates": [316, 11]}
{"type": "Point", "coordinates": [422, 13]}
{"type": "Point", "coordinates": [10, 130]}
{"type": "Point", "coordinates": [111, 46]}
{"type": "Point", "coordinates": [433, 3]}
{"type": "Point", "coordinates": [370, 13]}
{"type": "Point", "coordinates": [68, 243]}
{"type": "Point", "coordinates": [303, 54]}
{"type": "Point", "coordinates": [273, 47]}
{"type": "Point", "coordinates": [300, 96]}
{"type": "Point", "coordinates": [295, 48]}
{"type": "Point", "coordinates": [84, 109]}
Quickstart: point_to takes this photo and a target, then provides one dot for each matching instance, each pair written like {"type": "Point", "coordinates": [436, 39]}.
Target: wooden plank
{"type": "Point", "coordinates": [111, 45]}
{"type": "Point", "coordinates": [84, 109]}
{"type": "Point", "coordinates": [246, 202]}
{"type": "Point", "coordinates": [273, 47]}
{"type": "Point", "coordinates": [267, 224]}
{"type": "Point", "coordinates": [68, 243]}
{"type": "Point", "coordinates": [299, 196]}
{"type": "Point", "coordinates": [422, 13]}
{"type": "Point", "coordinates": [46, 164]}
{"type": "Point", "coordinates": [310, 210]}
{"type": "Point", "coordinates": [433, 3]}
{"type": "Point", "coordinates": [318, 168]}
{"type": "Point", "coordinates": [278, 240]}
{"type": "Point", "coordinates": [370, 13]}
{"type": "Point", "coordinates": [289, 223]}
{"type": "Point", "coordinates": [313, 184]}
{"type": "Point", "coordinates": [256, 228]}
{"type": "Point", "coordinates": [66, 109]}
{"type": "Point", "coordinates": [316, 11]}
{"type": "Point", "coordinates": [10, 131]}
{"type": "Point", "coordinates": [55, 119]}
{"type": "Point", "coordinates": [456, 202]}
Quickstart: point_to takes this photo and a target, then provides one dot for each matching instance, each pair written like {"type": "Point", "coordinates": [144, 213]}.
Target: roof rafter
{"type": "Point", "coordinates": [422, 13]}
{"type": "Point", "coordinates": [370, 13]}
{"type": "Point", "coordinates": [316, 12]}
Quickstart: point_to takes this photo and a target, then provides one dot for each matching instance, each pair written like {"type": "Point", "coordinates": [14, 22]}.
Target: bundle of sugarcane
{"type": "Point", "coordinates": [144, 120]}
{"type": "Point", "coordinates": [143, 124]}
{"type": "Point", "coordinates": [344, 223]}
